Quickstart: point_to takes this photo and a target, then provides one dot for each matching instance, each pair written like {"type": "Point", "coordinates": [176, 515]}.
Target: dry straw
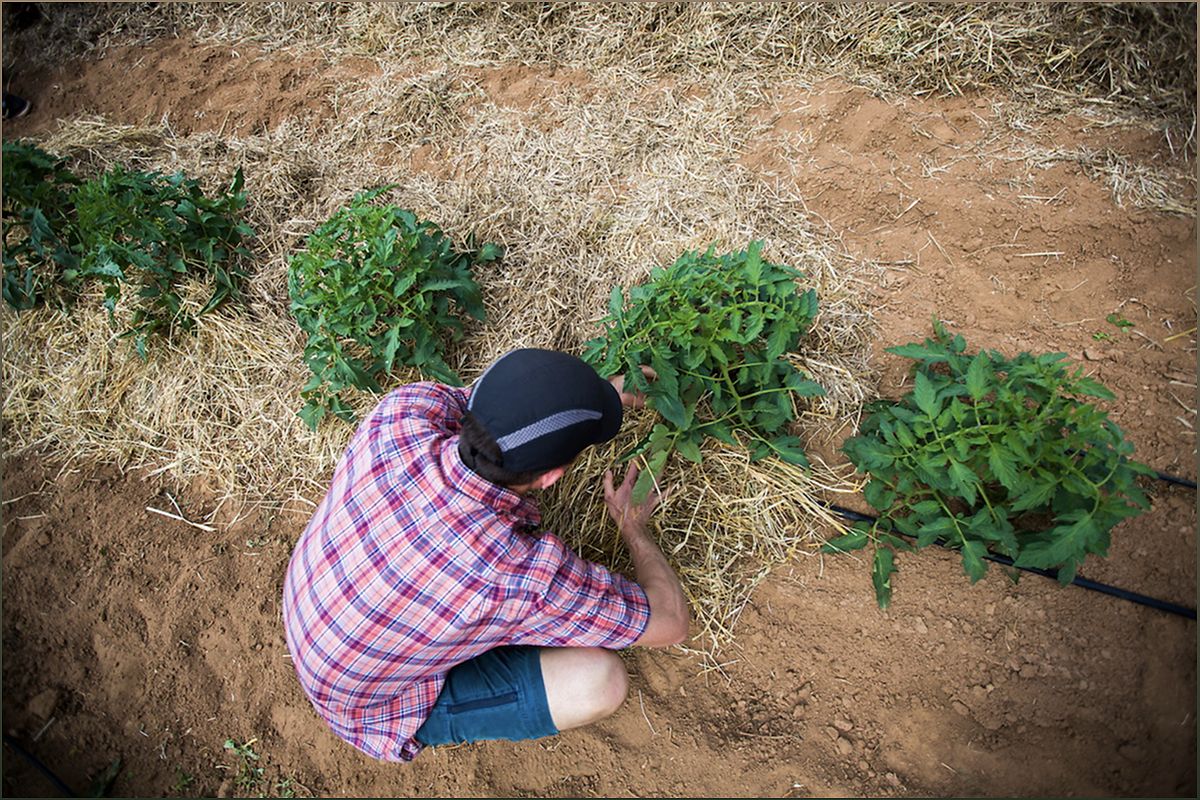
{"type": "Point", "coordinates": [1164, 189]}
{"type": "Point", "coordinates": [1130, 56]}
{"type": "Point", "coordinates": [588, 183]}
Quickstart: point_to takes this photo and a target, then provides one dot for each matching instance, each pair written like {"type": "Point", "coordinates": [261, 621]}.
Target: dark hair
{"type": "Point", "coordinates": [482, 455]}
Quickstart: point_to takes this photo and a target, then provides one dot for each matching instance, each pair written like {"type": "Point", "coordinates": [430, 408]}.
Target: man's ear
{"type": "Point", "coordinates": [548, 479]}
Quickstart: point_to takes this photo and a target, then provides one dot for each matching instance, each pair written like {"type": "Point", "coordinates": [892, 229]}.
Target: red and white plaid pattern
{"type": "Point", "coordinates": [413, 563]}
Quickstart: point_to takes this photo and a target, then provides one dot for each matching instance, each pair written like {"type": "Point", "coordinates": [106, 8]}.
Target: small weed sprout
{"type": "Point", "coordinates": [183, 782]}
{"type": "Point", "coordinates": [1119, 321]}
{"type": "Point", "coordinates": [249, 775]}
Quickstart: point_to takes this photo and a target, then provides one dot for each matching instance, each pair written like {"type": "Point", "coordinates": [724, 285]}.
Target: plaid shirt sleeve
{"type": "Point", "coordinates": [566, 601]}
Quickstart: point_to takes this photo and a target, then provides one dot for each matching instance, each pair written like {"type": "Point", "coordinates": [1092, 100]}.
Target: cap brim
{"type": "Point", "coordinates": [614, 412]}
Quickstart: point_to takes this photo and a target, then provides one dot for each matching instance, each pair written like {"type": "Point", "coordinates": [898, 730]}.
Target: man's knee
{"type": "Point", "coordinates": [583, 685]}
{"type": "Point", "coordinates": [612, 683]}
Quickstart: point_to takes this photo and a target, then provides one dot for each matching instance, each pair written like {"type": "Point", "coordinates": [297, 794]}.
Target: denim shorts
{"type": "Point", "coordinates": [496, 695]}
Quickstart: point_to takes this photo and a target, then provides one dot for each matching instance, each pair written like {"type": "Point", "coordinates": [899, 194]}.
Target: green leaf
{"type": "Point", "coordinates": [753, 264]}
{"type": "Point", "coordinates": [778, 339]}
{"type": "Point", "coordinates": [790, 449]}
{"type": "Point", "coordinates": [667, 383]}
{"type": "Point", "coordinates": [919, 352]}
{"type": "Point", "coordinates": [760, 450]}
{"type": "Point", "coordinates": [1091, 388]}
{"type": "Point", "coordinates": [973, 564]}
{"type": "Point", "coordinates": [312, 414]}
{"type": "Point", "coordinates": [931, 531]}
{"type": "Point", "coordinates": [924, 395]}
{"type": "Point", "coordinates": [390, 344]}
{"type": "Point", "coordinates": [689, 450]}
{"type": "Point", "coordinates": [649, 476]}
{"type": "Point", "coordinates": [637, 449]}
{"type": "Point", "coordinates": [925, 508]}
{"type": "Point", "coordinates": [965, 480]}
{"type": "Point", "coordinates": [442, 284]}
{"type": "Point", "coordinates": [754, 328]}
{"type": "Point", "coordinates": [1062, 544]}
{"type": "Point", "coordinates": [867, 454]}
{"type": "Point", "coordinates": [878, 494]}
{"type": "Point", "coordinates": [977, 382]}
{"type": "Point", "coordinates": [1034, 497]}
{"type": "Point", "coordinates": [490, 252]}
{"type": "Point", "coordinates": [896, 543]}
{"type": "Point", "coordinates": [672, 410]}
{"type": "Point", "coordinates": [854, 540]}
{"type": "Point", "coordinates": [1003, 468]}
{"type": "Point", "coordinates": [615, 302]}
{"type": "Point", "coordinates": [801, 386]}
{"type": "Point", "coordinates": [721, 431]}
{"type": "Point", "coordinates": [881, 575]}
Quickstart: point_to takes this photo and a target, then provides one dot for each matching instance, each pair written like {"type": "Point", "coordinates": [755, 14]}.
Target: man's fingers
{"type": "Point", "coordinates": [654, 498]}
{"type": "Point", "coordinates": [649, 372]}
{"type": "Point", "coordinates": [630, 476]}
{"type": "Point", "coordinates": [608, 483]}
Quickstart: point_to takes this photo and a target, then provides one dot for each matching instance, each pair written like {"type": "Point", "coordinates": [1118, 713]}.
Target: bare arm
{"type": "Point", "coordinates": [669, 614]}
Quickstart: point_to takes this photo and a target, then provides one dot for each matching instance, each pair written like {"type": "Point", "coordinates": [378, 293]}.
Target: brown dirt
{"type": "Point", "coordinates": [130, 634]}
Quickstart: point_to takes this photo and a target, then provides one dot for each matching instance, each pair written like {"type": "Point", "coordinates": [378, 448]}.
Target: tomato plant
{"type": "Point", "coordinates": [987, 453]}
{"type": "Point", "coordinates": [376, 287]}
{"type": "Point", "coordinates": [122, 227]}
{"type": "Point", "coordinates": [38, 223]}
{"type": "Point", "coordinates": [716, 330]}
{"type": "Point", "coordinates": [157, 229]}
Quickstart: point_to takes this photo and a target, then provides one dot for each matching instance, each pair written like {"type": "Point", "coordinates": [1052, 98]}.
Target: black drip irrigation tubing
{"type": "Point", "coordinates": [36, 763]}
{"type": "Point", "coordinates": [1162, 476]}
{"type": "Point", "coordinates": [1095, 586]}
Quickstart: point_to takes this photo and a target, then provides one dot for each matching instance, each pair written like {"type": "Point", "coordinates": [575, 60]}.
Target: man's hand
{"type": "Point", "coordinates": [669, 614]}
{"type": "Point", "coordinates": [629, 516]}
{"type": "Point", "coordinates": [632, 399]}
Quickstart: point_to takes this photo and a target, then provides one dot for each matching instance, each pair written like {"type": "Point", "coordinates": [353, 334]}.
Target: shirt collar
{"type": "Point", "coordinates": [515, 508]}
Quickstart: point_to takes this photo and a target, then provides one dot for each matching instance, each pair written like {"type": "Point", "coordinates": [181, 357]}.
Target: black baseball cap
{"type": "Point", "coordinates": [543, 408]}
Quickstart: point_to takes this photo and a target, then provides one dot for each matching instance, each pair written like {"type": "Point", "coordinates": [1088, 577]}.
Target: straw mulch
{"type": "Point", "coordinates": [584, 192]}
{"type": "Point", "coordinates": [1131, 56]}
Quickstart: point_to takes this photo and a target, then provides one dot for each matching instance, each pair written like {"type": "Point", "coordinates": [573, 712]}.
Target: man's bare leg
{"type": "Point", "coordinates": [583, 684]}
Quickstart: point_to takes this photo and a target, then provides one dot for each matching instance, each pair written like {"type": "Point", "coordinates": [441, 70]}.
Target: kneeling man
{"type": "Point", "coordinates": [423, 605]}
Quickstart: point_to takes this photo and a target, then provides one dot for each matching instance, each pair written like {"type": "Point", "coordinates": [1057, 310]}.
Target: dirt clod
{"type": "Point", "coordinates": [44, 703]}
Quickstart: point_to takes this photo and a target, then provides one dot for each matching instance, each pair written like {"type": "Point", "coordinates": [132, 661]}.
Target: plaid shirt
{"type": "Point", "coordinates": [413, 563]}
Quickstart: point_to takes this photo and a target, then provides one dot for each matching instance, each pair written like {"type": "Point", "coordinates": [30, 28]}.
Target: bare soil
{"type": "Point", "coordinates": [128, 633]}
